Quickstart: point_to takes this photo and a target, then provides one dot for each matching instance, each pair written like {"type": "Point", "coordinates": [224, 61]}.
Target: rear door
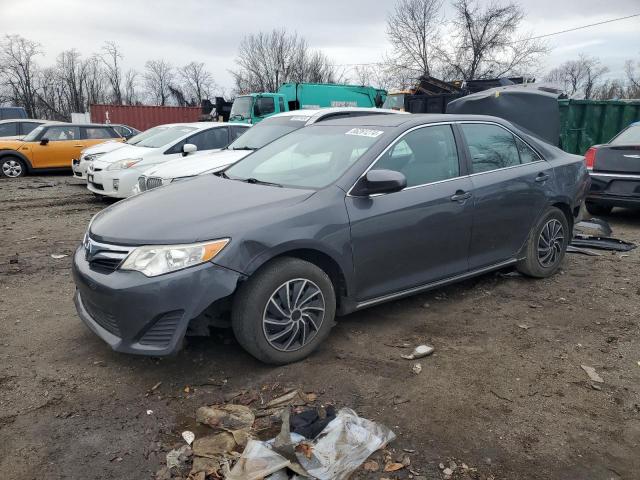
{"type": "Point", "coordinates": [64, 145]}
{"type": "Point", "coordinates": [509, 181]}
{"type": "Point", "coordinates": [95, 135]}
{"type": "Point", "coordinates": [421, 234]}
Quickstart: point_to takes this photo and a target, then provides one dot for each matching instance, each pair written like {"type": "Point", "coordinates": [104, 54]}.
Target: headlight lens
{"type": "Point", "coordinates": [153, 260]}
{"type": "Point", "coordinates": [127, 163]}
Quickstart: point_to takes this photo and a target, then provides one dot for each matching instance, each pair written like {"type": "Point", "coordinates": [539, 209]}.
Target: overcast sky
{"type": "Point", "coordinates": [348, 31]}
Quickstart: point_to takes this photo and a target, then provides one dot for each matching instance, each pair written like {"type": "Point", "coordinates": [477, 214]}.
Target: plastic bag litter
{"type": "Point", "coordinates": [344, 444]}
{"type": "Point", "coordinates": [257, 461]}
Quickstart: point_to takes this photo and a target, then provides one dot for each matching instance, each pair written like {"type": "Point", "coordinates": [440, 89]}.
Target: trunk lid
{"type": "Point", "coordinates": [617, 159]}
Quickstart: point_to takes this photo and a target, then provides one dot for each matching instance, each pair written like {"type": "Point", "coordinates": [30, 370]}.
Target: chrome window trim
{"type": "Point", "coordinates": [540, 157]}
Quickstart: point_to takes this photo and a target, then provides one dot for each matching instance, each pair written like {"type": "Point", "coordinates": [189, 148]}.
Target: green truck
{"type": "Point", "coordinates": [254, 107]}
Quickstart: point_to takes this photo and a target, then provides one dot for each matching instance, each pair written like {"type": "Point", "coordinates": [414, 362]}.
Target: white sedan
{"type": "Point", "coordinates": [115, 174]}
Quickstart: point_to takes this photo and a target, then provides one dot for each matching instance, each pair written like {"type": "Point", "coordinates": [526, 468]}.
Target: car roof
{"type": "Point", "coordinates": [410, 120]}
{"type": "Point", "coordinates": [27, 120]}
{"type": "Point", "coordinates": [67, 124]}
{"type": "Point", "coordinates": [317, 114]}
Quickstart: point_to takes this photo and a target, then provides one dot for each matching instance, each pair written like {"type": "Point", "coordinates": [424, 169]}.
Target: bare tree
{"type": "Point", "coordinates": [130, 85]}
{"type": "Point", "coordinates": [20, 71]}
{"type": "Point", "coordinates": [71, 72]}
{"type": "Point", "coordinates": [414, 31]}
{"type": "Point", "coordinates": [609, 89]}
{"type": "Point", "coordinates": [267, 60]}
{"type": "Point", "coordinates": [111, 59]}
{"type": "Point", "coordinates": [197, 82]}
{"type": "Point", "coordinates": [578, 77]}
{"type": "Point", "coordinates": [486, 43]}
{"type": "Point", "coordinates": [158, 77]}
{"type": "Point", "coordinates": [633, 78]}
{"type": "Point", "coordinates": [95, 81]}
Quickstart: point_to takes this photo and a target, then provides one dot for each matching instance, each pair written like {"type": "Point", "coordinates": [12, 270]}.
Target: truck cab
{"type": "Point", "coordinates": [254, 107]}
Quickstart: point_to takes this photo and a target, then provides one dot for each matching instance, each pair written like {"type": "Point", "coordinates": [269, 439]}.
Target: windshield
{"type": "Point", "coordinates": [241, 108]}
{"type": "Point", "coordinates": [146, 134]}
{"type": "Point", "coordinates": [163, 138]}
{"type": "Point", "coordinates": [267, 131]}
{"type": "Point", "coordinates": [630, 136]}
{"type": "Point", "coordinates": [311, 157]}
{"type": "Point", "coordinates": [394, 101]}
{"type": "Point", "coordinates": [31, 136]}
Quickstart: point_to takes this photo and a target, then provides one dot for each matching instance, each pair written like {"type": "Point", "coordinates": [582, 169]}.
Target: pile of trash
{"type": "Point", "coordinates": [313, 442]}
{"type": "Point", "coordinates": [596, 233]}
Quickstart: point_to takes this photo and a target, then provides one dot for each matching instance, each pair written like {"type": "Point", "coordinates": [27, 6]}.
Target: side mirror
{"type": "Point", "coordinates": [44, 141]}
{"type": "Point", "coordinates": [379, 181]}
{"type": "Point", "coordinates": [188, 148]}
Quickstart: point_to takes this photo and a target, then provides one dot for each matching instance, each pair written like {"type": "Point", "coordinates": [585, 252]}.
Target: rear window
{"type": "Point", "coordinates": [630, 136]}
{"type": "Point", "coordinates": [98, 133]}
{"type": "Point", "coordinates": [8, 129]}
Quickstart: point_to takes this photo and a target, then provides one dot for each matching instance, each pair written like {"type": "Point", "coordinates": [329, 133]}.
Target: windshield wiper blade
{"type": "Point", "coordinates": [221, 174]}
{"type": "Point", "coordinates": [244, 148]}
{"type": "Point", "coordinates": [260, 182]}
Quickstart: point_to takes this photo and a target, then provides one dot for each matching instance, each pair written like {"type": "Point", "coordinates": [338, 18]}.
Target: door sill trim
{"type": "Point", "coordinates": [429, 286]}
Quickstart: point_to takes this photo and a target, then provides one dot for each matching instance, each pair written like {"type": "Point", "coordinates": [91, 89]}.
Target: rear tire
{"type": "Point", "coordinates": [597, 209]}
{"type": "Point", "coordinates": [284, 311]}
{"type": "Point", "coordinates": [12, 167]}
{"type": "Point", "coordinates": [546, 245]}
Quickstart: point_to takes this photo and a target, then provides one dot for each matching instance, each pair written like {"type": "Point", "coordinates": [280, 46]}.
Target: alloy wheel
{"type": "Point", "coordinates": [293, 315]}
{"type": "Point", "coordinates": [550, 243]}
{"type": "Point", "coordinates": [11, 168]}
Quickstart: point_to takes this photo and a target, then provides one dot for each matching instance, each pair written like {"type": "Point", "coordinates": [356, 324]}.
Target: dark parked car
{"type": "Point", "coordinates": [614, 168]}
{"type": "Point", "coordinates": [7, 113]}
{"type": "Point", "coordinates": [125, 131]}
{"type": "Point", "coordinates": [331, 218]}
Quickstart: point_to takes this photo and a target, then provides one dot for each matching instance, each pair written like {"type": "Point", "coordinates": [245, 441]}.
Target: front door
{"type": "Point", "coordinates": [64, 144]}
{"type": "Point", "coordinates": [508, 180]}
{"type": "Point", "coordinates": [420, 234]}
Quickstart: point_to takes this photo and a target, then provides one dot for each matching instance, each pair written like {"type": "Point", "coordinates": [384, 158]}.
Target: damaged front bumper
{"type": "Point", "coordinates": [146, 315]}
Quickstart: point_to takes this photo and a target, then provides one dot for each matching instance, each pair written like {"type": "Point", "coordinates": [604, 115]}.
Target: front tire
{"type": "Point", "coordinates": [597, 209]}
{"type": "Point", "coordinates": [546, 245]}
{"type": "Point", "coordinates": [12, 167]}
{"type": "Point", "coordinates": [284, 311]}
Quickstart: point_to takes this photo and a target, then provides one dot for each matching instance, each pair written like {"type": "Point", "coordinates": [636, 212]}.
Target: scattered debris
{"type": "Point", "coordinates": [417, 368]}
{"type": "Point", "coordinates": [535, 305]}
{"type": "Point", "coordinates": [149, 412]}
{"type": "Point", "coordinates": [419, 352]}
{"type": "Point", "coordinates": [511, 274]}
{"type": "Point", "coordinates": [371, 466]}
{"type": "Point", "coordinates": [393, 467]}
{"type": "Point", "coordinates": [228, 417]}
{"type": "Point", "coordinates": [58, 256]}
{"type": "Point", "coordinates": [592, 374]}
{"type": "Point", "coordinates": [524, 326]}
{"type": "Point", "coordinates": [177, 458]}
{"type": "Point", "coordinates": [188, 436]}
{"type": "Point", "coordinates": [593, 226]}
{"type": "Point", "coordinates": [602, 243]}
{"type": "Point", "coordinates": [155, 387]}
{"type": "Point", "coordinates": [583, 251]}
{"type": "Point", "coordinates": [501, 397]}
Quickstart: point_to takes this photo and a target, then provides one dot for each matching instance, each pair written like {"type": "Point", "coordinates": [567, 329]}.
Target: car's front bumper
{"type": "Point", "coordinates": [146, 315]}
{"type": "Point", "coordinates": [79, 168]}
{"type": "Point", "coordinates": [615, 190]}
{"type": "Point", "coordinates": [113, 183]}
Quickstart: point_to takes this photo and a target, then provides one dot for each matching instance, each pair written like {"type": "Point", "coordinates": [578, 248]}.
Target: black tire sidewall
{"type": "Point", "coordinates": [530, 265]}
{"type": "Point", "coordinates": [597, 209]}
{"type": "Point", "coordinates": [253, 295]}
{"type": "Point", "coordinates": [17, 159]}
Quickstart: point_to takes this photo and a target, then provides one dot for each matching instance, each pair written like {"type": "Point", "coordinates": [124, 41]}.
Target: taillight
{"type": "Point", "coordinates": [590, 157]}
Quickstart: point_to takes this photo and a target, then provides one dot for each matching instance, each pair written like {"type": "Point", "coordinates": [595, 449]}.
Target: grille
{"type": "Point", "coordinates": [161, 333]}
{"type": "Point", "coordinates": [142, 184]}
{"type": "Point", "coordinates": [103, 318]}
{"type": "Point", "coordinates": [105, 263]}
{"type": "Point", "coordinates": [153, 182]}
{"type": "Point", "coordinates": [103, 257]}
{"type": "Point", "coordinates": [98, 186]}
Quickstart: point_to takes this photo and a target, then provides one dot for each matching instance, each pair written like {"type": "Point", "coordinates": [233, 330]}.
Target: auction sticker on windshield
{"type": "Point", "coordinates": [365, 132]}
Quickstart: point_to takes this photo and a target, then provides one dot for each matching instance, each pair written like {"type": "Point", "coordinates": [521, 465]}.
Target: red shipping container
{"type": "Point", "coordinates": [143, 117]}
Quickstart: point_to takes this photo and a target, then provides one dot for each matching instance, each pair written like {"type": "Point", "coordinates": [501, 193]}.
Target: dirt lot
{"type": "Point", "coordinates": [504, 392]}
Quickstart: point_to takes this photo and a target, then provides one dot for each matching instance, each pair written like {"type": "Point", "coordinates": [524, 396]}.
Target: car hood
{"type": "Point", "coordinates": [188, 167]}
{"type": "Point", "coordinates": [203, 208]}
{"type": "Point", "coordinates": [127, 151]}
{"type": "Point", "coordinates": [105, 147]}
{"type": "Point", "coordinates": [10, 144]}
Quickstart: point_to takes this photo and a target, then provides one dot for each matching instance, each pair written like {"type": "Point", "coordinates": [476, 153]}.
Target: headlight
{"type": "Point", "coordinates": [179, 179]}
{"type": "Point", "coordinates": [153, 260]}
{"type": "Point", "coordinates": [127, 163]}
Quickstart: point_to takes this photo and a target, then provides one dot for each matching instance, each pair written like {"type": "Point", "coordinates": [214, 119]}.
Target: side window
{"type": "Point", "coordinates": [491, 147]}
{"type": "Point", "coordinates": [62, 133]}
{"type": "Point", "coordinates": [98, 133]}
{"type": "Point", "coordinates": [27, 127]}
{"type": "Point", "coordinates": [210, 139]}
{"type": "Point", "coordinates": [424, 155]}
{"type": "Point", "coordinates": [236, 132]}
{"type": "Point", "coordinates": [8, 129]}
{"type": "Point", "coordinates": [281, 104]}
{"type": "Point", "coordinates": [265, 106]}
{"type": "Point", "coordinates": [526, 154]}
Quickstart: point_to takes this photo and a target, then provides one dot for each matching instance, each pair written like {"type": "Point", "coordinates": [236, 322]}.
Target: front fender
{"type": "Point", "coordinates": [14, 153]}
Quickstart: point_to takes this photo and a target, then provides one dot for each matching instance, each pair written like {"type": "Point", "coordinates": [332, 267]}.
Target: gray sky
{"type": "Point", "coordinates": [348, 31]}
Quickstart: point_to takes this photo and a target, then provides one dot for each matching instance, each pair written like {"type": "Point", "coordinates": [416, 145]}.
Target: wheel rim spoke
{"type": "Point", "coordinates": [550, 243]}
{"type": "Point", "coordinates": [293, 315]}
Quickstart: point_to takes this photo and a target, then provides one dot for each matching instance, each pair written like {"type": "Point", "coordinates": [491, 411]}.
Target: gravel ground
{"type": "Point", "coordinates": [504, 392]}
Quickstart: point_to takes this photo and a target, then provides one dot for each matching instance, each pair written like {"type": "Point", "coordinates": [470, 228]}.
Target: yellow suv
{"type": "Point", "coordinates": [51, 146]}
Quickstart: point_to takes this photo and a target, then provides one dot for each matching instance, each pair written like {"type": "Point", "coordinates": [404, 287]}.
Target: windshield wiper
{"type": "Point", "coordinates": [221, 174]}
{"type": "Point", "coordinates": [244, 148]}
{"type": "Point", "coordinates": [236, 115]}
{"type": "Point", "coordinates": [260, 182]}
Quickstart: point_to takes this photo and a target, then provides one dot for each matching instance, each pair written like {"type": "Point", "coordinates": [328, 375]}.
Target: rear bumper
{"type": "Point", "coordinates": [146, 315]}
{"type": "Point", "coordinates": [616, 190]}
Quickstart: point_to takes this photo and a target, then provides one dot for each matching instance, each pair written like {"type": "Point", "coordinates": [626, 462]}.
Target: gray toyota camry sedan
{"type": "Point", "coordinates": [329, 219]}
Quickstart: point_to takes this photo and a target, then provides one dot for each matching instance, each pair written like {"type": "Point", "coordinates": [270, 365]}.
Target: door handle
{"type": "Point", "coordinates": [460, 196]}
{"type": "Point", "coordinates": [542, 177]}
